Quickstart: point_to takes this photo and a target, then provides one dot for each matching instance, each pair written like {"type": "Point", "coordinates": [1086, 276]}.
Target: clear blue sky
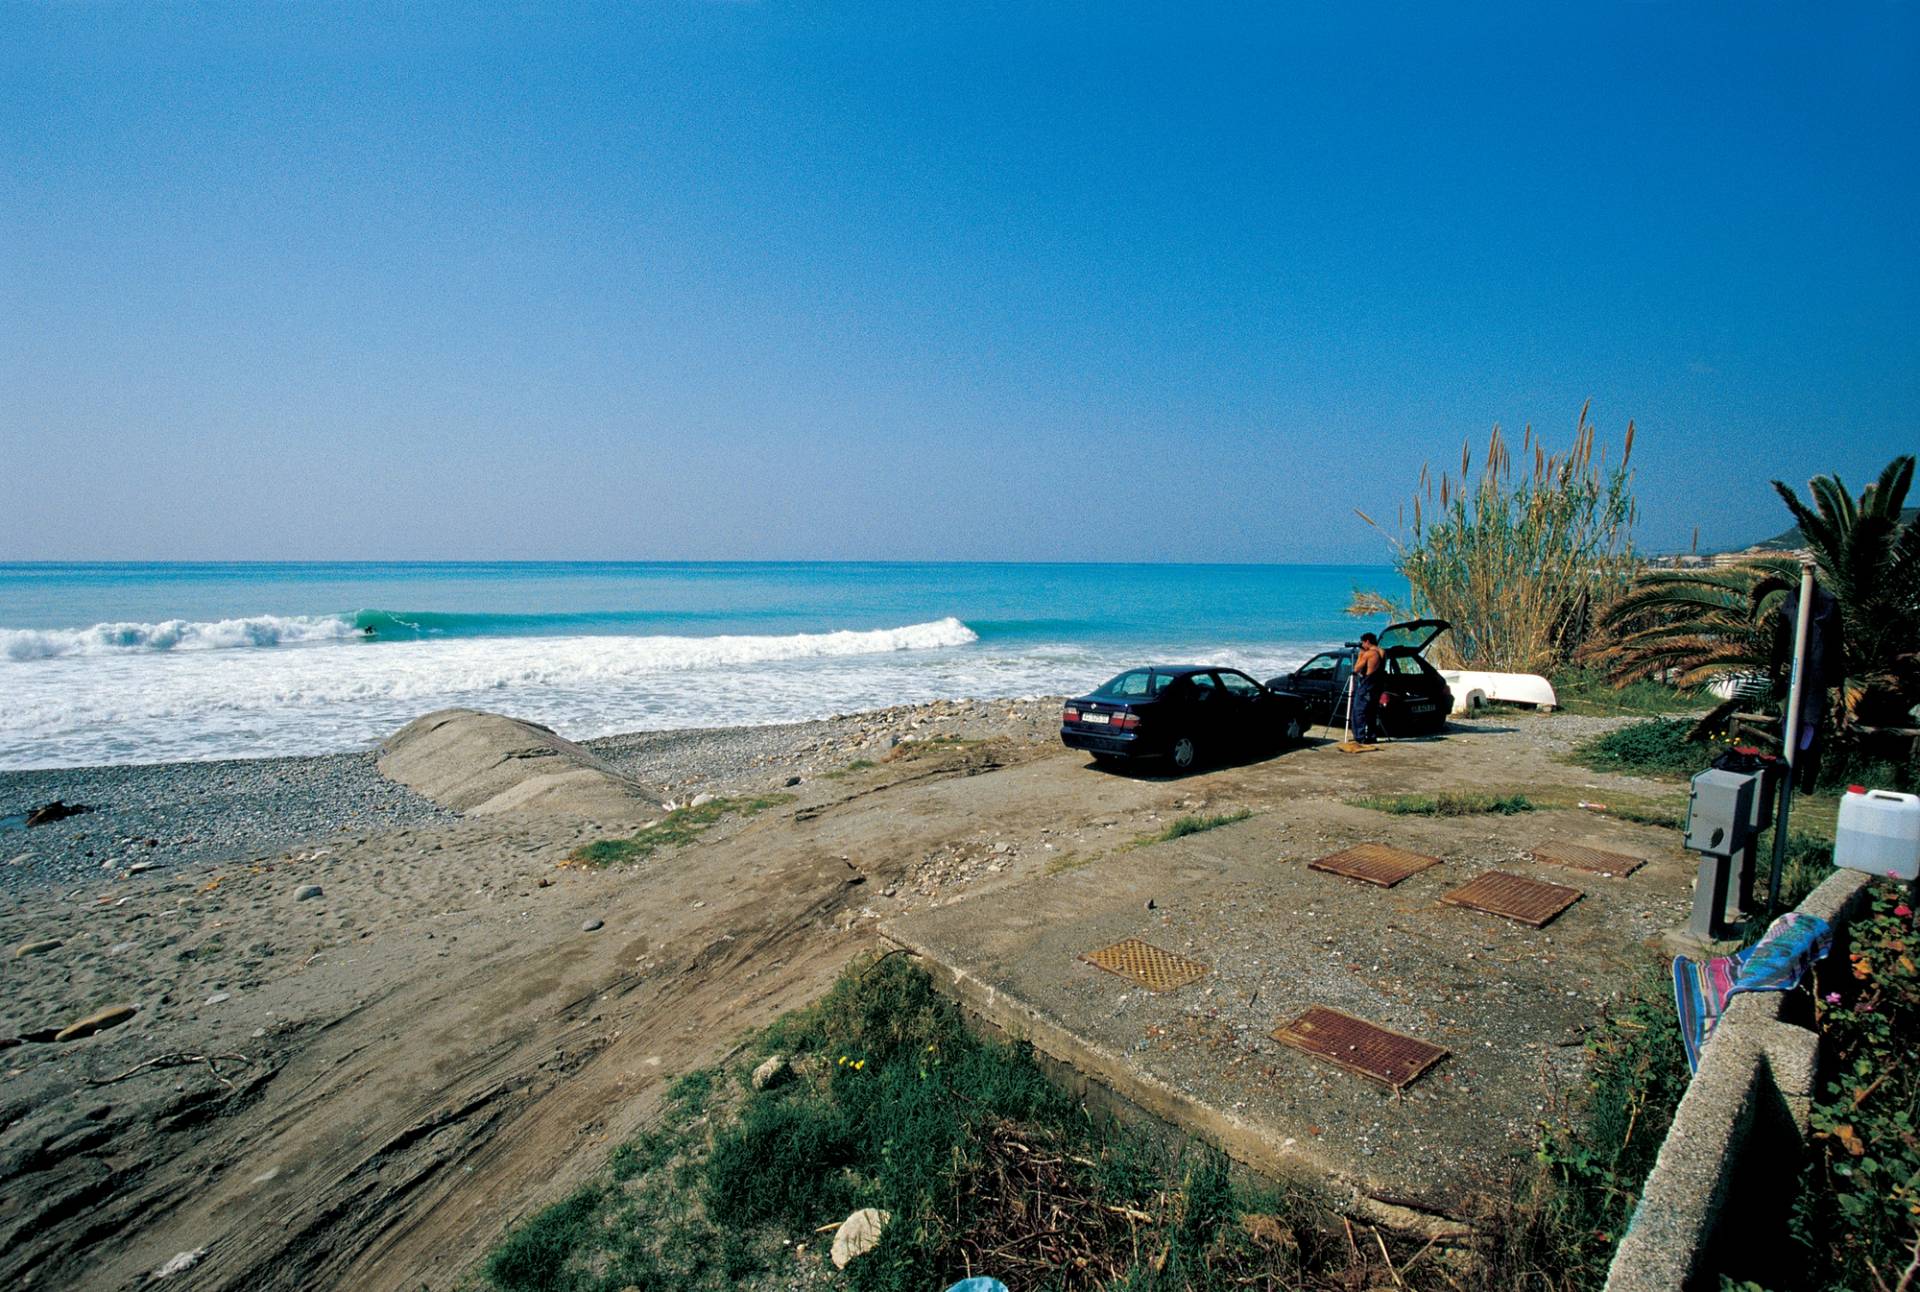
{"type": "Point", "coordinates": [691, 280]}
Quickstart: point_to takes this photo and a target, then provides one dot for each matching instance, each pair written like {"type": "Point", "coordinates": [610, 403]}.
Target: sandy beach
{"type": "Point", "coordinates": [362, 1086]}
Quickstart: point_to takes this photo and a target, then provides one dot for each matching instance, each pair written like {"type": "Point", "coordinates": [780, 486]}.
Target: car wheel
{"type": "Point", "coordinates": [1185, 754]}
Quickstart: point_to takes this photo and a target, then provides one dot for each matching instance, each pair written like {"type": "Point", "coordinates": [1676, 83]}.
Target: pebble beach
{"type": "Point", "coordinates": [158, 815]}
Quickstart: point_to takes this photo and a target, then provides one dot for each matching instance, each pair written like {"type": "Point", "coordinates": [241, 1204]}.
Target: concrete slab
{"type": "Point", "coordinates": [1512, 1004]}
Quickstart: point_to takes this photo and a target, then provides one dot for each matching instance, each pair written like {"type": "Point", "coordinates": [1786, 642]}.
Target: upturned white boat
{"type": "Point", "coordinates": [1473, 690]}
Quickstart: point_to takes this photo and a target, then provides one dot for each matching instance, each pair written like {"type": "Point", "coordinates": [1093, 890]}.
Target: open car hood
{"type": "Point", "coordinates": [1415, 634]}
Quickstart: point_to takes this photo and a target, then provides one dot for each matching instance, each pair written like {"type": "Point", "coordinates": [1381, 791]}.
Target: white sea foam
{"type": "Point", "coordinates": [147, 705]}
{"type": "Point", "coordinates": [174, 634]}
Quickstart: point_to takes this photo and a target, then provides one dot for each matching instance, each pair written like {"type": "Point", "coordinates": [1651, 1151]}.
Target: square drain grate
{"type": "Point", "coordinates": [1529, 901]}
{"type": "Point", "coordinates": [1581, 857]}
{"type": "Point", "coordinates": [1374, 1052]}
{"type": "Point", "coordinates": [1146, 964]}
{"type": "Point", "coordinates": [1374, 863]}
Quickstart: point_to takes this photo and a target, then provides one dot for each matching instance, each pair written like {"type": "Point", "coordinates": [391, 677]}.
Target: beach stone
{"type": "Point", "coordinates": [306, 891]}
{"type": "Point", "coordinates": [858, 1234]}
{"type": "Point", "coordinates": [48, 813]}
{"type": "Point", "coordinates": [772, 1072]}
{"type": "Point", "coordinates": [701, 800]}
{"type": "Point", "coordinates": [592, 925]}
{"type": "Point", "coordinates": [41, 947]}
{"type": "Point", "coordinates": [180, 1264]}
{"type": "Point", "coordinates": [20, 860]}
{"type": "Point", "coordinates": [111, 1016]}
{"type": "Point", "coordinates": [139, 866]}
{"type": "Point", "coordinates": [791, 782]}
{"type": "Point", "coordinates": [219, 998]}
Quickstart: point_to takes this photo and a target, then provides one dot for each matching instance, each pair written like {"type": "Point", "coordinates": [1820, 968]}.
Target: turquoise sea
{"type": "Point", "coordinates": [150, 662]}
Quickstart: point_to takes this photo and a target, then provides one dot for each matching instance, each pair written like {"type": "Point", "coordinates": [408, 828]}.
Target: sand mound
{"type": "Point", "coordinates": [485, 764]}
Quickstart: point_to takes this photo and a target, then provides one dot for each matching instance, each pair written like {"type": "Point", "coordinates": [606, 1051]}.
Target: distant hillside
{"type": "Point", "coordinates": [1791, 540]}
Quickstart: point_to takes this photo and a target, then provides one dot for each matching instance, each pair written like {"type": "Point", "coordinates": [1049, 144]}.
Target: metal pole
{"type": "Point", "coordinates": [1790, 747]}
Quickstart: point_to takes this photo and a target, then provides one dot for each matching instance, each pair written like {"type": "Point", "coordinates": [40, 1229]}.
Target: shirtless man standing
{"type": "Point", "coordinates": [1368, 664]}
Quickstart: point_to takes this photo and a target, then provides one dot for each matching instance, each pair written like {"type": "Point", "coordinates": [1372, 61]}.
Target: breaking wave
{"type": "Point", "coordinates": [262, 631]}
{"type": "Point", "coordinates": [173, 634]}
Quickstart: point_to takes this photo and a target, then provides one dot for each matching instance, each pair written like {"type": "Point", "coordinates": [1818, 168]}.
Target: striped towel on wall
{"type": "Point", "coordinates": [1777, 962]}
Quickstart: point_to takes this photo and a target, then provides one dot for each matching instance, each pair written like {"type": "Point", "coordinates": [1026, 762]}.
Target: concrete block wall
{"type": "Point", "coordinates": [1715, 1199]}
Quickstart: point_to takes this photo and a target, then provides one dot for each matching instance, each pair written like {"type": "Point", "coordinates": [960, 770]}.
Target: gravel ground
{"type": "Point", "coordinates": [169, 814]}
{"type": "Point", "coordinates": [173, 814]}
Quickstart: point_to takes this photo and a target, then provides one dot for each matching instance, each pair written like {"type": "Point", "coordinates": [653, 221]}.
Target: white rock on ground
{"type": "Point", "coordinates": [180, 1264]}
{"type": "Point", "coordinates": [772, 1072]}
{"type": "Point", "coordinates": [858, 1234]}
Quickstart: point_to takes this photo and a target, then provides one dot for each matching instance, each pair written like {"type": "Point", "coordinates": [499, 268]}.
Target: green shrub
{"type": "Point", "coordinates": [1861, 764]}
{"type": "Point", "coordinates": [1858, 1210]}
{"type": "Point", "coordinates": [988, 1167]}
{"type": "Point", "coordinates": [1597, 1156]}
{"type": "Point", "coordinates": [1518, 558]}
{"type": "Point", "coordinates": [536, 1257]}
{"type": "Point", "coordinates": [1657, 746]}
{"type": "Point", "coordinates": [1587, 691]}
{"type": "Point", "coordinates": [785, 1161]}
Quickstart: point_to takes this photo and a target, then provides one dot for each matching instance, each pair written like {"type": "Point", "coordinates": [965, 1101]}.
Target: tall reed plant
{"type": "Point", "coordinates": [1520, 558]}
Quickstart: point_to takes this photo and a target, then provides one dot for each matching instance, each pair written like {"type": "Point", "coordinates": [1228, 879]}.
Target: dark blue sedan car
{"type": "Point", "coordinates": [1183, 714]}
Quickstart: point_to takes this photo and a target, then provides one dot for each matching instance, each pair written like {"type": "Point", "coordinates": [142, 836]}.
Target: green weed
{"type": "Point", "coordinates": [536, 1256]}
{"type": "Point", "coordinates": [1063, 862]}
{"type": "Point", "coordinates": [984, 1164]}
{"type": "Point", "coordinates": [680, 826]}
{"type": "Point", "coordinates": [1187, 825]}
{"type": "Point", "coordinates": [1446, 803]}
{"type": "Point", "coordinates": [1596, 1155]}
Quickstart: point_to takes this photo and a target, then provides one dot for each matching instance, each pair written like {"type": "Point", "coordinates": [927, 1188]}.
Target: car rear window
{"type": "Point", "coordinates": [1137, 684]}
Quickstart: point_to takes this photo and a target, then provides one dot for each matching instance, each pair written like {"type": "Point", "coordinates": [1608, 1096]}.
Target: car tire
{"type": "Point", "coordinates": [1185, 755]}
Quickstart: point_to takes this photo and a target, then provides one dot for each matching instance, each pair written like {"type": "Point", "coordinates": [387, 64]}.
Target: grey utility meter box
{"type": "Point", "coordinates": [1720, 811]}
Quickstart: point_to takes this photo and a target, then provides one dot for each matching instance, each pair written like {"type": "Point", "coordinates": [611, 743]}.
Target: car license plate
{"type": "Point", "coordinates": [1097, 719]}
{"type": "Point", "coordinates": [1421, 708]}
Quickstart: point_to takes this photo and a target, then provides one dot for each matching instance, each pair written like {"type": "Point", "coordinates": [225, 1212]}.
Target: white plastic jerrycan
{"type": "Point", "coordinates": [1879, 832]}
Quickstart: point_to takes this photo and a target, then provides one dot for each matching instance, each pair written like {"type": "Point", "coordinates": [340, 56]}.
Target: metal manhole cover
{"type": "Point", "coordinates": [1529, 901]}
{"type": "Point", "coordinates": [1581, 857]}
{"type": "Point", "coordinates": [1374, 863]}
{"type": "Point", "coordinates": [1146, 964]}
{"type": "Point", "coordinates": [1375, 1052]}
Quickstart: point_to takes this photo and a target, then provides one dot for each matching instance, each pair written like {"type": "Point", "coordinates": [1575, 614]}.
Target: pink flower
{"type": "Point", "coordinates": [1903, 910]}
{"type": "Point", "coordinates": [1833, 998]}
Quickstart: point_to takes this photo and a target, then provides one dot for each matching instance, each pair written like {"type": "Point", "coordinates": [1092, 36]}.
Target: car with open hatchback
{"type": "Point", "coordinates": [1414, 698]}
